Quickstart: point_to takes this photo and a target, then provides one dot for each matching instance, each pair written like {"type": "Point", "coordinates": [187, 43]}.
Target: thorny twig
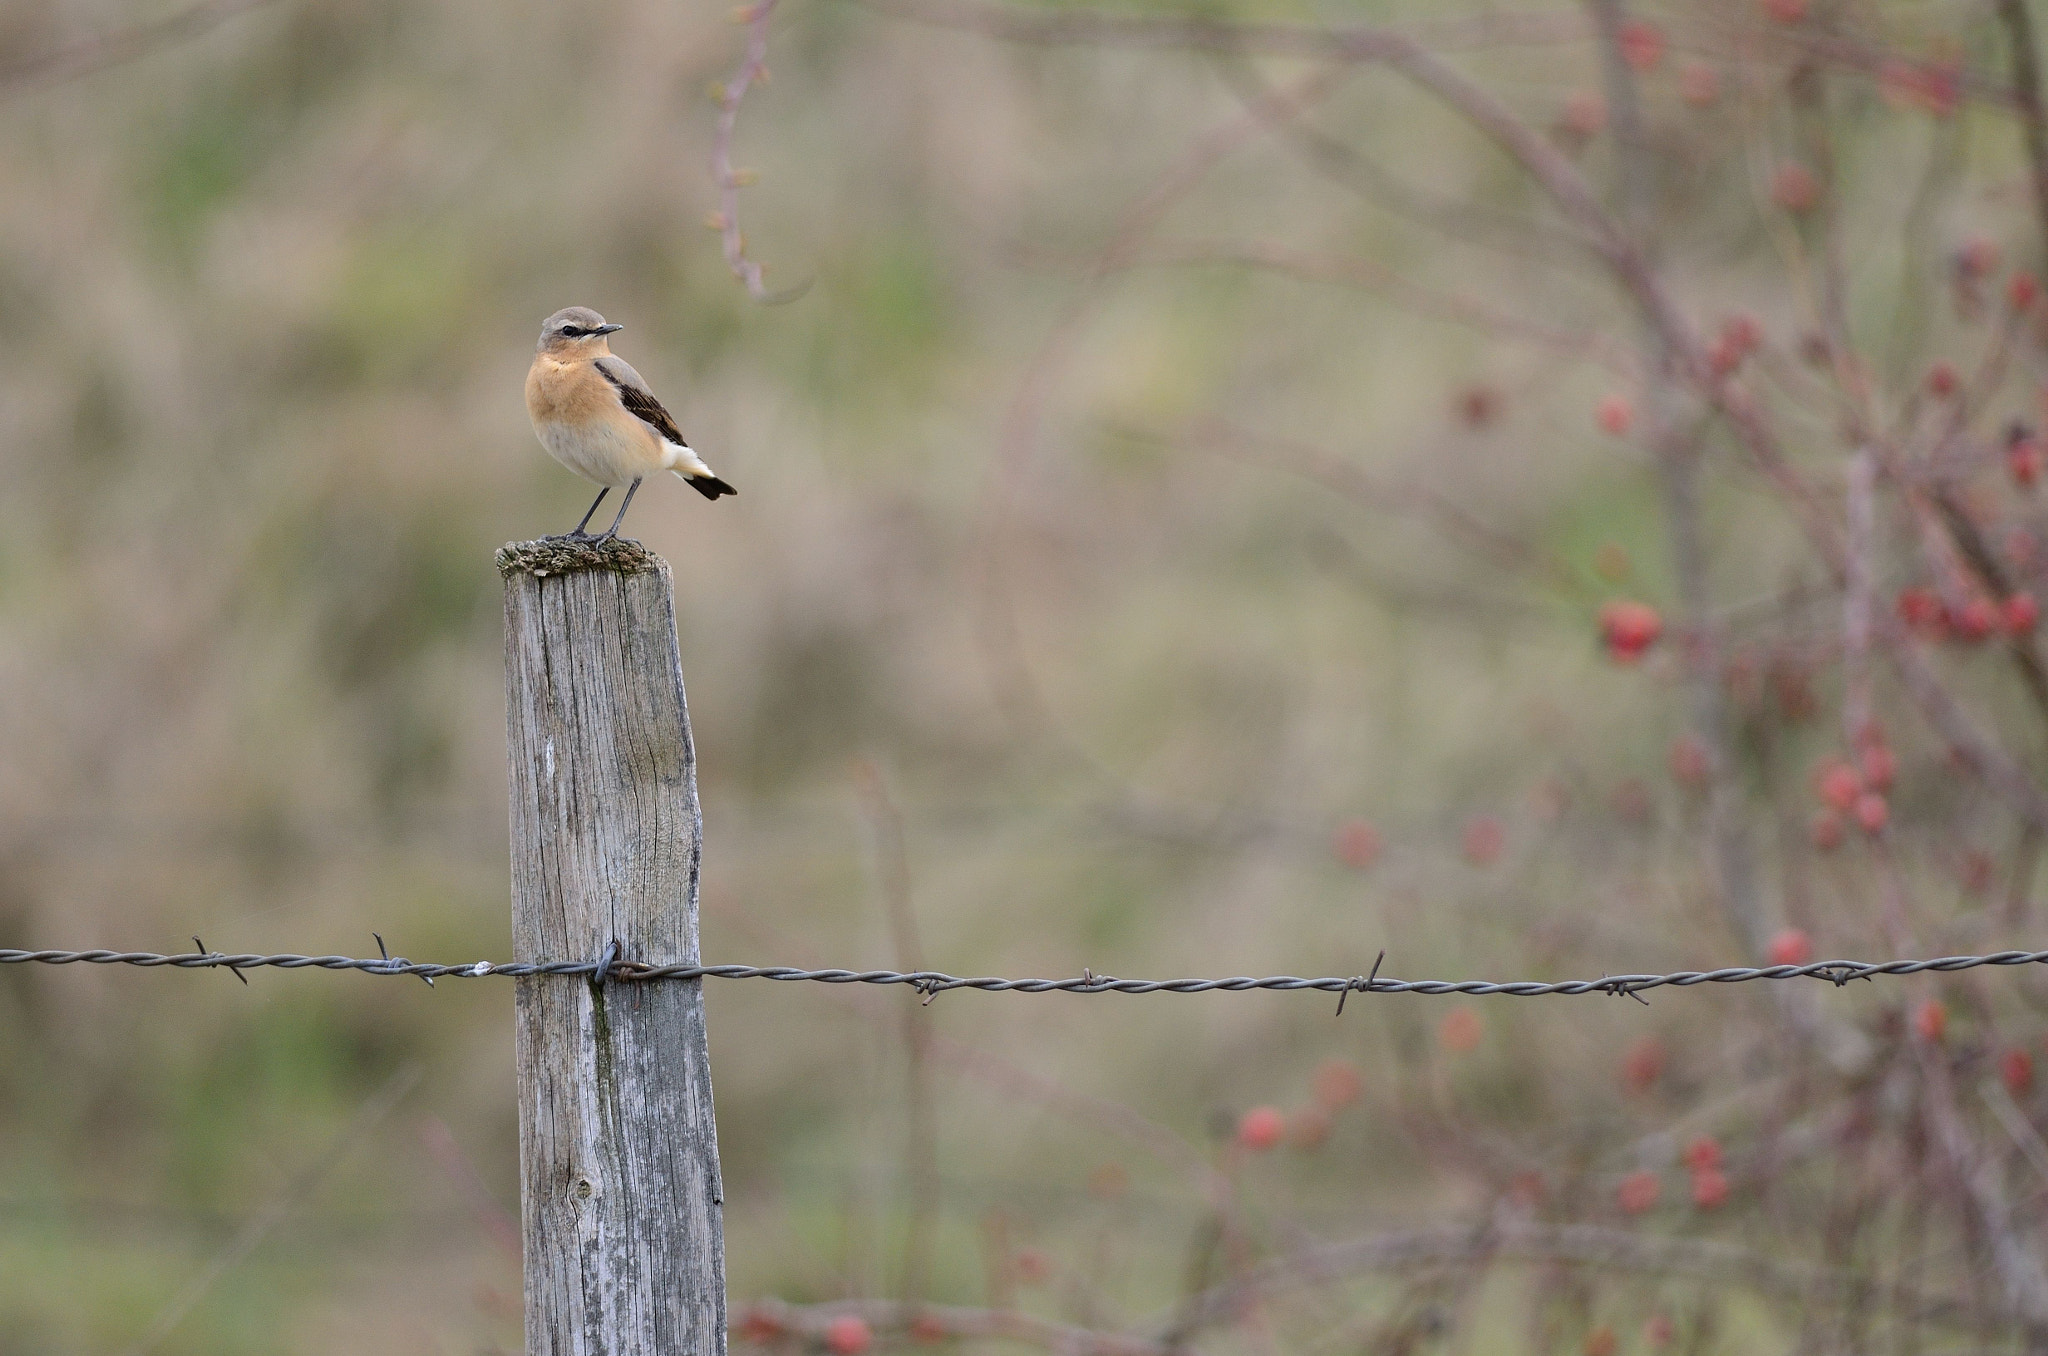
{"type": "Point", "coordinates": [753, 68]}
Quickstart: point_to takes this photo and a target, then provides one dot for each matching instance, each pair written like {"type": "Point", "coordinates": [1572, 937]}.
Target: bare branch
{"type": "Point", "coordinates": [2026, 97]}
{"type": "Point", "coordinates": [1353, 481]}
{"type": "Point", "coordinates": [753, 68]}
{"type": "Point", "coordinates": [1385, 282]}
{"type": "Point", "coordinates": [112, 48]}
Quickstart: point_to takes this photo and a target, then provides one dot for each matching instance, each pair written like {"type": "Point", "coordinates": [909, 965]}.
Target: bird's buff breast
{"type": "Point", "coordinates": [602, 445]}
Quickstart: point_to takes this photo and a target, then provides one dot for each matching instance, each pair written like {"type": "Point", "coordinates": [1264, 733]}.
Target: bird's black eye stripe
{"type": "Point", "coordinates": [573, 332]}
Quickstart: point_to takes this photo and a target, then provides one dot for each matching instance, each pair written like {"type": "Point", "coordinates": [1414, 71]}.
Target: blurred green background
{"type": "Point", "coordinates": [1023, 553]}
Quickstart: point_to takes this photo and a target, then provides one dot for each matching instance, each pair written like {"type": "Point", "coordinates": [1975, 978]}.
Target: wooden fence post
{"type": "Point", "coordinates": [620, 1202]}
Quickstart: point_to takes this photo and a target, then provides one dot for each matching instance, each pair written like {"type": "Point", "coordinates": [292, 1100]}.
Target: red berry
{"type": "Point", "coordinates": [1631, 801]}
{"type": "Point", "coordinates": [2021, 289]}
{"type": "Point", "coordinates": [2022, 613]}
{"type": "Point", "coordinates": [1638, 1192]}
{"type": "Point", "coordinates": [1479, 405]}
{"type": "Point", "coordinates": [1460, 1030]}
{"type": "Point", "coordinates": [2023, 460]}
{"type": "Point", "coordinates": [1688, 760]}
{"type": "Point", "coordinates": [1601, 1342]}
{"type": "Point", "coordinates": [1977, 257]}
{"type": "Point", "coordinates": [1484, 839]}
{"type": "Point", "coordinates": [1699, 84]}
{"type": "Point", "coordinates": [1826, 831]}
{"type": "Point", "coordinates": [1659, 1330]}
{"type": "Point", "coordinates": [1641, 43]}
{"type": "Point", "coordinates": [1628, 629]}
{"type": "Point", "coordinates": [1975, 620]}
{"type": "Point", "coordinates": [1585, 113]}
{"type": "Point", "coordinates": [1930, 1020]}
{"type": "Point", "coordinates": [1031, 1266]}
{"type": "Point", "coordinates": [1261, 1128]}
{"type": "Point", "coordinates": [1703, 1154]}
{"type": "Point", "coordinates": [1357, 844]}
{"type": "Point", "coordinates": [928, 1327]}
{"type": "Point", "coordinates": [1110, 1182]}
{"type": "Point", "coordinates": [1872, 812]}
{"type": "Point", "coordinates": [755, 1326]}
{"type": "Point", "coordinates": [1795, 189]}
{"type": "Point", "coordinates": [2016, 1069]}
{"type": "Point", "coordinates": [1740, 336]}
{"type": "Point", "coordinates": [1920, 608]}
{"type": "Point", "coordinates": [1791, 947]}
{"type": "Point", "coordinates": [1942, 380]}
{"type": "Point", "coordinates": [1615, 414]}
{"type": "Point", "coordinates": [1308, 1127]}
{"type": "Point", "coordinates": [1838, 784]}
{"type": "Point", "coordinates": [848, 1335]}
{"type": "Point", "coordinates": [1709, 1189]}
{"type": "Point", "coordinates": [1928, 87]}
{"type": "Point", "coordinates": [1642, 1063]}
{"type": "Point", "coordinates": [1880, 767]}
{"type": "Point", "coordinates": [1338, 1083]}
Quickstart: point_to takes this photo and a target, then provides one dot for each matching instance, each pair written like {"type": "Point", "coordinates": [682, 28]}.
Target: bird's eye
{"type": "Point", "coordinates": [572, 332]}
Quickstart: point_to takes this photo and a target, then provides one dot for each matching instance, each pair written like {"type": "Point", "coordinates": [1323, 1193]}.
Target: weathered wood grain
{"type": "Point", "coordinates": [620, 1198]}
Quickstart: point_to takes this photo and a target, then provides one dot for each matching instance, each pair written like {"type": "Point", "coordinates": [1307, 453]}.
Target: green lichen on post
{"type": "Point", "coordinates": [564, 555]}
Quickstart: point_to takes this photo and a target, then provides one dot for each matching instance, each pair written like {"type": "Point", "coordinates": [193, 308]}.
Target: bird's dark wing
{"type": "Point", "coordinates": [638, 400]}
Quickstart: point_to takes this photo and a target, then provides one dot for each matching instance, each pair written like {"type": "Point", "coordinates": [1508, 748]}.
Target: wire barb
{"type": "Point", "coordinates": [1364, 983]}
{"type": "Point", "coordinates": [215, 958]}
{"type": "Point", "coordinates": [400, 961]}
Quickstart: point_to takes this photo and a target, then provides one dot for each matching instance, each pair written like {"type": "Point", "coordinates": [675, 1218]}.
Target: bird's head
{"type": "Point", "coordinates": [577, 332]}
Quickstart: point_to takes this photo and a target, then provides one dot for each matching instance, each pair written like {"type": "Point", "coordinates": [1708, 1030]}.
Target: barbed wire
{"type": "Point", "coordinates": [934, 982]}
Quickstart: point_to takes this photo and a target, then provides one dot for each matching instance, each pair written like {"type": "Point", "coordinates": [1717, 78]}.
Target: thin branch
{"type": "Point", "coordinates": [2026, 97]}
{"type": "Point", "coordinates": [928, 1322]}
{"type": "Point", "coordinates": [1092, 28]}
{"type": "Point", "coordinates": [1596, 1247]}
{"type": "Point", "coordinates": [1341, 163]}
{"type": "Point", "coordinates": [753, 68]}
{"type": "Point", "coordinates": [1354, 482]}
{"type": "Point", "coordinates": [2017, 1127]}
{"type": "Point", "coordinates": [921, 1141]}
{"type": "Point", "coordinates": [1382, 281]}
{"type": "Point", "coordinates": [116, 46]}
{"type": "Point", "coordinates": [1861, 498]}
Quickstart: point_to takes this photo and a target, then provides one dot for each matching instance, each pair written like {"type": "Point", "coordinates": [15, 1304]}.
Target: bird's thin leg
{"type": "Point", "coordinates": [613, 530]}
{"type": "Point", "coordinates": [577, 531]}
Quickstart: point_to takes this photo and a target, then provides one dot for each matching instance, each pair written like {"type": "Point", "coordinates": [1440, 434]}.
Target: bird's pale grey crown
{"type": "Point", "coordinates": [572, 323]}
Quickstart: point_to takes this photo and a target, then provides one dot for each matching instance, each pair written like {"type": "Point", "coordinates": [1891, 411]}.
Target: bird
{"type": "Point", "coordinates": [596, 415]}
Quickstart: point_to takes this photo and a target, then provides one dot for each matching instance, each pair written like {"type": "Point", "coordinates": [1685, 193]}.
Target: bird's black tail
{"type": "Point", "coordinates": [710, 486]}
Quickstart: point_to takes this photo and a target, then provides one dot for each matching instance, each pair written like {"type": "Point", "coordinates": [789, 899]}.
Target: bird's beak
{"type": "Point", "coordinates": [607, 329]}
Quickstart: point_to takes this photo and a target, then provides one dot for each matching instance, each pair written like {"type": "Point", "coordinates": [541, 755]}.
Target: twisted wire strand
{"type": "Point", "coordinates": [934, 982]}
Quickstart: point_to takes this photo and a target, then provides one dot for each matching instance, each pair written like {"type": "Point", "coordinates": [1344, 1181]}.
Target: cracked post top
{"type": "Point", "coordinates": [563, 555]}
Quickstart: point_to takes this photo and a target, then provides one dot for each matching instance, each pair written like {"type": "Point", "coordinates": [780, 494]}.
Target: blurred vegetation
{"type": "Point", "coordinates": [1031, 528]}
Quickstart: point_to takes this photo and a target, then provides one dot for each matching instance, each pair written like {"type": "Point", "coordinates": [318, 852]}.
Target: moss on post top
{"type": "Point", "coordinates": [564, 555]}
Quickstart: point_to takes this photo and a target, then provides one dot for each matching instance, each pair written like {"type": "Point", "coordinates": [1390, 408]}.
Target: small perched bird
{"type": "Point", "coordinates": [595, 415]}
